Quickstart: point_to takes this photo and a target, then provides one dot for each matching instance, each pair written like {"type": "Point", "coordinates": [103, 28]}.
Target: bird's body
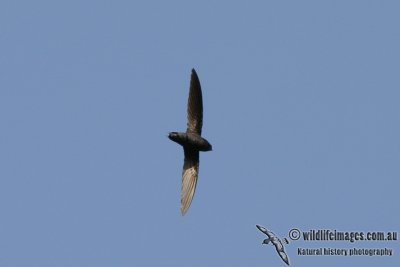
{"type": "Point", "coordinates": [192, 142]}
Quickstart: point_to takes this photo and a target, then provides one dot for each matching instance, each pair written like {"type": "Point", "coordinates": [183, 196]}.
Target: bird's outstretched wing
{"type": "Point", "coordinates": [195, 105]}
{"type": "Point", "coordinates": [189, 178]}
{"type": "Point", "coordinates": [265, 231]}
{"type": "Point", "coordinates": [284, 257]}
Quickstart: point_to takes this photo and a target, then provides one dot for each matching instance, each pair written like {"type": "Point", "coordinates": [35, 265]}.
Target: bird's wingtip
{"type": "Point", "coordinates": [183, 211]}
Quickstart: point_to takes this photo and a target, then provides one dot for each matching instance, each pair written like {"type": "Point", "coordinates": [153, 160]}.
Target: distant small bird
{"type": "Point", "coordinates": [192, 142]}
{"type": "Point", "coordinates": [276, 242]}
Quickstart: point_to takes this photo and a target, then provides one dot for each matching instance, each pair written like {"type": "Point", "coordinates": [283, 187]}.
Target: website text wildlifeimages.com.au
{"type": "Point", "coordinates": [333, 235]}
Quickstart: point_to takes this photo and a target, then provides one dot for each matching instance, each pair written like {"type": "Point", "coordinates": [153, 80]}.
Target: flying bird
{"type": "Point", "coordinates": [192, 142]}
{"type": "Point", "coordinates": [276, 242]}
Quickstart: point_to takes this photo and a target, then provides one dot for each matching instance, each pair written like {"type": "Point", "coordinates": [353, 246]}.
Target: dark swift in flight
{"type": "Point", "coordinates": [192, 142]}
{"type": "Point", "coordinates": [276, 242]}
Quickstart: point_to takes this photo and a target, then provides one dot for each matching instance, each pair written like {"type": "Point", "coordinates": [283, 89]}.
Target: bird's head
{"type": "Point", "coordinates": [176, 137]}
{"type": "Point", "coordinates": [173, 135]}
{"type": "Point", "coordinates": [266, 241]}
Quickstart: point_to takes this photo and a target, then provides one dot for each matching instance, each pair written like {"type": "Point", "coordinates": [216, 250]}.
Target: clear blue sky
{"type": "Point", "coordinates": [301, 105]}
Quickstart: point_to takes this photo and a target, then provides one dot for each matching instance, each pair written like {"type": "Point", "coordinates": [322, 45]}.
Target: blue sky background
{"type": "Point", "coordinates": [301, 105]}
